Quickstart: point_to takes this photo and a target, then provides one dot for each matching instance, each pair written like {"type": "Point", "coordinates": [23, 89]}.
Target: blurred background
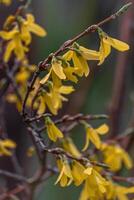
{"type": "Point", "coordinates": [108, 89]}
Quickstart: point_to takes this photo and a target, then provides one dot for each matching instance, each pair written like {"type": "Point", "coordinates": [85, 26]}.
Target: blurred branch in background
{"type": "Point", "coordinates": [119, 82]}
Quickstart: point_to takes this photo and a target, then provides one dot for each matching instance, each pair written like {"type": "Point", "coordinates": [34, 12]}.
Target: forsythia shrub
{"type": "Point", "coordinates": [95, 167]}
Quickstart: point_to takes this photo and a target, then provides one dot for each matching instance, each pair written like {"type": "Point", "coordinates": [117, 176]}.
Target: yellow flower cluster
{"type": "Point", "coordinates": [6, 147]}
{"type": "Point", "coordinates": [18, 37]}
{"type": "Point", "coordinates": [52, 96]}
{"type": "Point", "coordinates": [95, 186]}
{"type": "Point", "coordinates": [115, 156]}
{"type": "Point", "coordinates": [74, 64]}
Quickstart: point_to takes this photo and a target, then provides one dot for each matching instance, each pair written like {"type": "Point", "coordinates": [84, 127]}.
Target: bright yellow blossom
{"type": "Point", "coordinates": [80, 55]}
{"type": "Point", "coordinates": [29, 26]}
{"type": "Point", "coordinates": [57, 68]}
{"type": "Point", "coordinates": [106, 43]}
{"type": "Point", "coordinates": [115, 156]}
{"type": "Point", "coordinates": [14, 44]}
{"type": "Point", "coordinates": [53, 132]}
{"type": "Point", "coordinates": [70, 147]}
{"type": "Point", "coordinates": [93, 135]}
{"type": "Point", "coordinates": [65, 177]}
{"type": "Point", "coordinates": [5, 146]}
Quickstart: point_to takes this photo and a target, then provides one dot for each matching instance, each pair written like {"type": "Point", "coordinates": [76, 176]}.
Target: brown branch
{"type": "Point", "coordinates": [60, 151]}
{"type": "Point", "coordinates": [18, 189]}
{"type": "Point", "coordinates": [76, 118]}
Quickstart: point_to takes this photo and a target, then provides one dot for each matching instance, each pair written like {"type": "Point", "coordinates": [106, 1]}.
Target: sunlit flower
{"type": "Point", "coordinates": [115, 156]}
{"type": "Point", "coordinates": [106, 42]}
{"type": "Point", "coordinates": [53, 132]}
{"type": "Point", "coordinates": [65, 177]}
{"type": "Point", "coordinates": [92, 134]}
{"type": "Point", "coordinates": [6, 146]}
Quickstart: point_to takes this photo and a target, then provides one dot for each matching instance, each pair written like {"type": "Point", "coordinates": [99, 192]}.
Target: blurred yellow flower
{"type": "Point", "coordinates": [78, 173]}
{"type": "Point", "coordinates": [53, 132]}
{"type": "Point", "coordinates": [95, 185]}
{"type": "Point", "coordinates": [5, 147]}
{"type": "Point", "coordinates": [6, 2]}
{"type": "Point", "coordinates": [30, 151]}
{"type": "Point", "coordinates": [65, 177]}
{"type": "Point", "coordinates": [116, 191]}
{"type": "Point", "coordinates": [115, 156]}
{"type": "Point", "coordinates": [14, 44]}
{"type": "Point", "coordinates": [29, 26]}
{"type": "Point", "coordinates": [70, 147]}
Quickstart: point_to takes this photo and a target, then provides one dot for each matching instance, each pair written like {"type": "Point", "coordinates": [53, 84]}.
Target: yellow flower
{"type": "Point", "coordinates": [70, 147]}
{"type": "Point", "coordinates": [116, 191]}
{"type": "Point", "coordinates": [79, 55]}
{"type": "Point", "coordinates": [14, 44]}
{"type": "Point", "coordinates": [6, 2]}
{"type": "Point", "coordinates": [54, 98]}
{"type": "Point", "coordinates": [107, 42]}
{"type": "Point", "coordinates": [29, 26]}
{"type": "Point", "coordinates": [5, 146]}
{"type": "Point", "coordinates": [53, 132]}
{"type": "Point", "coordinates": [70, 73]}
{"type": "Point", "coordinates": [57, 68]}
{"type": "Point", "coordinates": [78, 173]}
{"type": "Point", "coordinates": [95, 185]}
{"type": "Point", "coordinates": [65, 177]}
{"type": "Point", "coordinates": [93, 135]}
{"type": "Point", "coordinates": [122, 192]}
{"type": "Point", "coordinates": [115, 156]}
